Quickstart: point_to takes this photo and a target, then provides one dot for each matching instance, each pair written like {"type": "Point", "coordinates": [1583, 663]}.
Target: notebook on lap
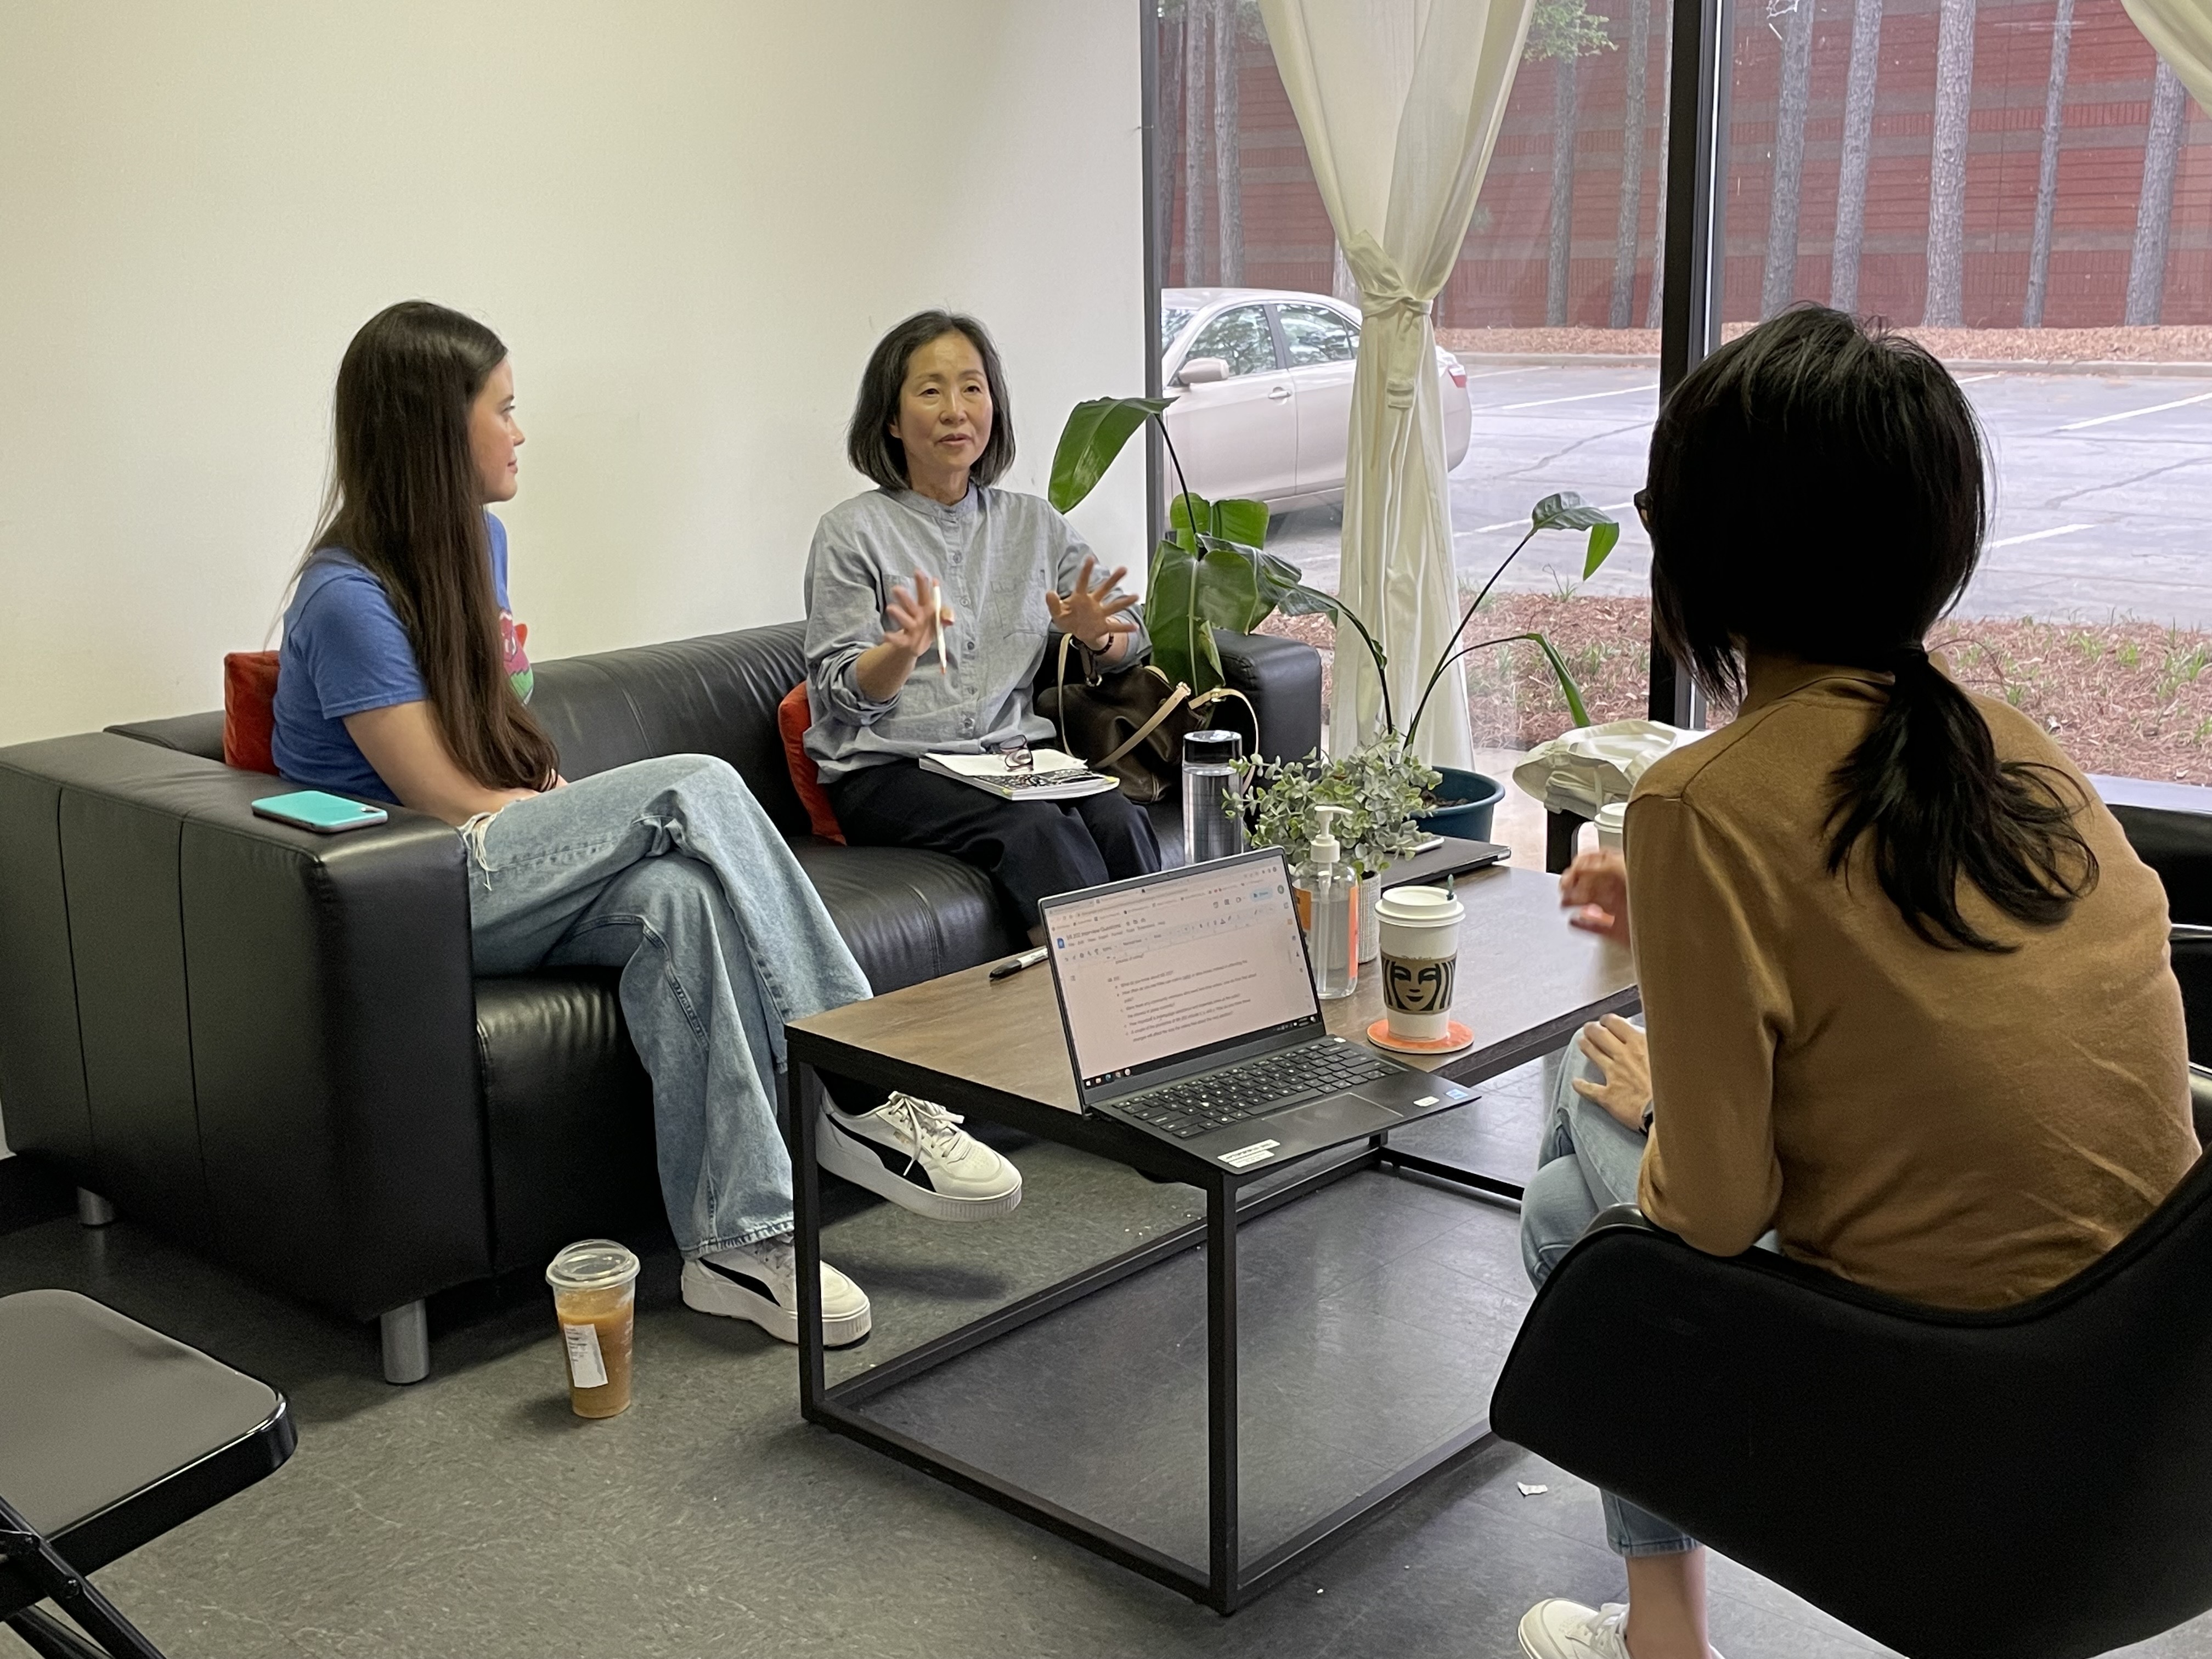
{"type": "Point", "coordinates": [1190, 1014]}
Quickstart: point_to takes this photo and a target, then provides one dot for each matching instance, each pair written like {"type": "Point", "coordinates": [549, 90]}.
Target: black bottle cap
{"type": "Point", "coordinates": [1213, 748]}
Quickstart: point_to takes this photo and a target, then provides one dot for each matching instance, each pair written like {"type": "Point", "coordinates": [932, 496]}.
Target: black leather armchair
{"type": "Point", "coordinates": [2023, 1484]}
{"type": "Point", "coordinates": [271, 1045]}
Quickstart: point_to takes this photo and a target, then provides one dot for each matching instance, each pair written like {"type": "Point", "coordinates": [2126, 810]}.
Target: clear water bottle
{"type": "Point", "coordinates": [1209, 831]}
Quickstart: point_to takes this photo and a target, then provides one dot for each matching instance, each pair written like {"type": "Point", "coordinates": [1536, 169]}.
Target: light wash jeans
{"type": "Point", "coordinates": [1588, 1161]}
{"type": "Point", "coordinates": [669, 870]}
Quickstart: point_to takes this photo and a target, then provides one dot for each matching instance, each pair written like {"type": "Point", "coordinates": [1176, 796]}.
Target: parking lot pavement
{"type": "Point", "coordinates": [2103, 486]}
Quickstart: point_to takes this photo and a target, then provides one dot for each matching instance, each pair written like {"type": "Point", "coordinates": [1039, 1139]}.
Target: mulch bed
{"type": "Point", "coordinates": [2175, 344]}
{"type": "Point", "coordinates": [2124, 697]}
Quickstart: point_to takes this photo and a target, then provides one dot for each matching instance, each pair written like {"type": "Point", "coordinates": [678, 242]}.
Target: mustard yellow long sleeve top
{"type": "Point", "coordinates": [1961, 1129]}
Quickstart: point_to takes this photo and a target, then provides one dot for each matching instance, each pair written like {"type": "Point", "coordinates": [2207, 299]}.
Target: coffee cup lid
{"type": "Point", "coordinates": [1418, 905]}
{"type": "Point", "coordinates": [593, 1264]}
{"type": "Point", "coordinates": [1612, 816]}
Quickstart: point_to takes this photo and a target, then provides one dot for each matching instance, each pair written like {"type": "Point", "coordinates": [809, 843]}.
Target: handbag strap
{"type": "Point", "coordinates": [1169, 704]}
{"type": "Point", "coordinates": [1199, 704]}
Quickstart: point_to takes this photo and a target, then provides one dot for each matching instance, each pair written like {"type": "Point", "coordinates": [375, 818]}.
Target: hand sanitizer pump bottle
{"type": "Point", "coordinates": [1328, 905]}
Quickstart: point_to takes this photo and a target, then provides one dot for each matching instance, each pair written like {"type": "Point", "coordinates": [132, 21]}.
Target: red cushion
{"type": "Point", "coordinates": [792, 717]}
{"type": "Point", "coordinates": [249, 709]}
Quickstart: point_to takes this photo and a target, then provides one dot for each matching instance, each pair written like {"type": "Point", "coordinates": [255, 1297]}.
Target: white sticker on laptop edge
{"type": "Point", "coordinates": [1258, 1152]}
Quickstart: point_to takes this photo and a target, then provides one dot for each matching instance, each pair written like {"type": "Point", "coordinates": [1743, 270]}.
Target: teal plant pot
{"type": "Point", "coordinates": [1478, 796]}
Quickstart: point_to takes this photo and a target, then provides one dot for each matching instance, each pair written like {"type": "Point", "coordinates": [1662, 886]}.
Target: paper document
{"type": "Point", "coordinates": [1054, 774]}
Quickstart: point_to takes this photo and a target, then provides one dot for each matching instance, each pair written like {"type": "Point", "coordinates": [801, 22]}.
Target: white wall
{"type": "Point", "coordinates": [689, 219]}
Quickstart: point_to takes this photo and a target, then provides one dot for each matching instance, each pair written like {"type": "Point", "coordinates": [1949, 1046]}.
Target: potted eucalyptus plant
{"type": "Point", "coordinates": [1212, 570]}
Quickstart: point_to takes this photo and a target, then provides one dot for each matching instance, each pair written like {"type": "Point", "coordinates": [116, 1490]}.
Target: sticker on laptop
{"type": "Point", "coordinates": [1244, 1156]}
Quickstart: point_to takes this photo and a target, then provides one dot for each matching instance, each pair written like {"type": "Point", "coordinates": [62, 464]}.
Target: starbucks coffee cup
{"type": "Point", "coordinates": [1420, 927]}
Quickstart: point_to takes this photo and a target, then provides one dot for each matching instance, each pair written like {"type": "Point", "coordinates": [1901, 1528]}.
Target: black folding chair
{"type": "Point", "coordinates": [110, 1435]}
{"type": "Point", "coordinates": [2026, 1483]}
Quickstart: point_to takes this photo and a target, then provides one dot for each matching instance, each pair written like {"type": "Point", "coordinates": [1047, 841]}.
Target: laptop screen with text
{"type": "Point", "coordinates": [1199, 960]}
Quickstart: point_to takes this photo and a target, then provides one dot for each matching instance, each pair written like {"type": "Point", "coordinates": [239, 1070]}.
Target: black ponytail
{"type": "Point", "coordinates": [1927, 786]}
{"type": "Point", "coordinates": [1816, 491]}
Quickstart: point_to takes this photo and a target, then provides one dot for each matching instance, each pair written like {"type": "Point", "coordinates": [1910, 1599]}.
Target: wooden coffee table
{"type": "Point", "coordinates": [1526, 980]}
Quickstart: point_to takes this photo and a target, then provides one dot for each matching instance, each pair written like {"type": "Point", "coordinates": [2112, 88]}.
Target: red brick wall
{"type": "Point", "coordinates": [1500, 279]}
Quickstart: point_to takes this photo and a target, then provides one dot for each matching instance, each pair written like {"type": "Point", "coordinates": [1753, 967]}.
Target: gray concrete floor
{"type": "Point", "coordinates": [2099, 494]}
{"type": "Point", "coordinates": [472, 1514]}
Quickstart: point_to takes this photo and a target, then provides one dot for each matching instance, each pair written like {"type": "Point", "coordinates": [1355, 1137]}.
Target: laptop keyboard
{"type": "Point", "coordinates": [1259, 1087]}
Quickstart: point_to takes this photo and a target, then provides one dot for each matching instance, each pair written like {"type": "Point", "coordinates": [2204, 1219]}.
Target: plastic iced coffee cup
{"type": "Point", "coordinates": [595, 1298]}
{"type": "Point", "coordinates": [1419, 928]}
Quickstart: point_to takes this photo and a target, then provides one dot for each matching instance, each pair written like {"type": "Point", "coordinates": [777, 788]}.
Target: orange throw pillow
{"type": "Point", "coordinates": [792, 717]}
{"type": "Point", "coordinates": [249, 709]}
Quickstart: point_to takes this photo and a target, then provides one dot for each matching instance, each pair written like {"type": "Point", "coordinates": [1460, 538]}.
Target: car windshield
{"type": "Point", "coordinates": [1173, 320]}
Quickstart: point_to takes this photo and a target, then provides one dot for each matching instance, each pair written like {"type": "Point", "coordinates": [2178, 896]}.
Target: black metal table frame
{"type": "Point", "coordinates": [1227, 1581]}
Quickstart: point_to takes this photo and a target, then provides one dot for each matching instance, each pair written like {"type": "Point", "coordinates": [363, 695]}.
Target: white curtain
{"type": "Point", "coordinates": [1398, 101]}
{"type": "Point", "coordinates": [2181, 32]}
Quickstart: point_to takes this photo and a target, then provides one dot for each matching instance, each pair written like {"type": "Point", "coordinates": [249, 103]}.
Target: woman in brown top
{"type": "Point", "coordinates": [1906, 984]}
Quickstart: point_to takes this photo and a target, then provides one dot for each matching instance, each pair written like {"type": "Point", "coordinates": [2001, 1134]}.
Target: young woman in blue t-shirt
{"type": "Point", "coordinates": [402, 677]}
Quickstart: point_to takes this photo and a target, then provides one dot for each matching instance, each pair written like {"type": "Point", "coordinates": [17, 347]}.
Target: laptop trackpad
{"type": "Point", "coordinates": [1339, 1118]}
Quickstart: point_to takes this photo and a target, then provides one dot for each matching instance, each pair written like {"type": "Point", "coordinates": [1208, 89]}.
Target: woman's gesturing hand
{"type": "Point", "coordinates": [1596, 886]}
{"type": "Point", "coordinates": [1087, 613]}
{"type": "Point", "coordinates": [914, 618]}
{"type": "Point", "coordinates": [1624, 1060]}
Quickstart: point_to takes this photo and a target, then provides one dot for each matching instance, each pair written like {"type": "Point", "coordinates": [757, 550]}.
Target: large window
{"type": "Point", "coordinates": [1548, 328]}
{"type": "Point", "coordinates": [2017, 183]}
{"type": "Point", "coordinates": [2024, 188]}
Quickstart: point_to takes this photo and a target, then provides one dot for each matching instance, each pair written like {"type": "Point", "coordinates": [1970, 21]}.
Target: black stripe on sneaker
{"type": "Point", "coordinates": [758, 1287]}
{"type": "Point", "coordinates": [904, 1165]}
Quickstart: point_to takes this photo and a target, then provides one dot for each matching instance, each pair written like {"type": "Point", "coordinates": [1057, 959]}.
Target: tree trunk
{"type": "Point", "coordinates": [1563, 191]}
{"type": "Point", "coordinates": [1630, 219]}
{"type": "Point", "coordinates": [1227, 158]}
{"type": "Point", "coordinates": [1858, 152]}
{"type": "Point", "coordinates": [2169, 113]}
{"type": "Point", "coordinates": [1947, 165]}
{"type": "Point", "coordinates": [1779, 285]}
{"type": "Point", "coordinates": [2046, 172]}
{"type": "Point", "coordinates": [1653, 316]}
{"type": "Point", "coordinates": [1196, 58]}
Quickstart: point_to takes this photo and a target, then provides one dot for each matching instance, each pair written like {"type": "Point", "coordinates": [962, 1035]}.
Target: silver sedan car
{"type": "Point", "coordinates": [1262, 381]}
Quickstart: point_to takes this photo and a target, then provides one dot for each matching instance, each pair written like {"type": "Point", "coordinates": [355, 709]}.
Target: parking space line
{"type": "Point", "coordinates": [1583, 398]}
{"type": "Point", "coordinates": [1968, 379]}
{"type": "Point", "coordinates": [1499, 373]}
{"type": "Point", "coordinates": [2130, 414]}
{"type": "Point", "coordinates": [2041, 535]}
{"type": "Point", "coordinates": [1519, 524]}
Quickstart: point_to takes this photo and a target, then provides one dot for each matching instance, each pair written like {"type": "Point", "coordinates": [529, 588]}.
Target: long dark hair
{"type": "Point", "coordinates": [406, 501]}
{"type": "Point", "coordinates": [869, 444]}
{"type": "Point", "coordinates": [1816, 489]}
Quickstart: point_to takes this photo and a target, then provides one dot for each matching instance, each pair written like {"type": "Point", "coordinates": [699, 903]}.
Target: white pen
{"type": "Point", "coordinates": [1013, 965]}
{"type": "Point", "coordinates": [937, 620]}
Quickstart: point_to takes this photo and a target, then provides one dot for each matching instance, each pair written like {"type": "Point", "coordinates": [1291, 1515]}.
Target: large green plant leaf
{"type": "Point", "coordinates": [1242, 522]}
{"type": "Point", "coordinates": [1189, 516]}
{"type": "Point", "coordinates": [1568, 511]}
{"type": "Point", "coordinates": [1229, 590]}
{"type": "Point", "coordinates": [1568, 689]}
{"type": "Point", "coordinates": [1182, 639]}
{"type": "Point", "coordinates": [1095, 433]}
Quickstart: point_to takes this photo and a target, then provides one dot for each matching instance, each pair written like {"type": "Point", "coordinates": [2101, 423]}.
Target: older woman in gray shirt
{"type": "Point", "coordinates": [936, 553]}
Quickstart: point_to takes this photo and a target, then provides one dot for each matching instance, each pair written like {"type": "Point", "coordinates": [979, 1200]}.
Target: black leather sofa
{"type": "Point", "coordinates": [271, 1045]}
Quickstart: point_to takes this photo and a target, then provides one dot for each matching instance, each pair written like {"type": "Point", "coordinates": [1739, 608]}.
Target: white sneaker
{"type": "Point", "coordinates": [760, 1282]}
{"type": "Point", "coordinates": [915, 1153]}
{"type": "Point", "coordinates": [1559, 1629]}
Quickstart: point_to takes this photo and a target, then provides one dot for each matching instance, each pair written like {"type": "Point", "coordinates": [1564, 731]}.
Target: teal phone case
{"type": "Point", "coordinates": [326, 814]}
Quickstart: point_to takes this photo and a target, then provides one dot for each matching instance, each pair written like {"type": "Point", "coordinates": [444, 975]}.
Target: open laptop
{"type": "Point", "coordinates": [1191, 1015]}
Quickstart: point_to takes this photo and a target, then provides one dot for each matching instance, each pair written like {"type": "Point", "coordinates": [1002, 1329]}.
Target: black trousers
{"type": "Point", "coordinates": [1029, 849]}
